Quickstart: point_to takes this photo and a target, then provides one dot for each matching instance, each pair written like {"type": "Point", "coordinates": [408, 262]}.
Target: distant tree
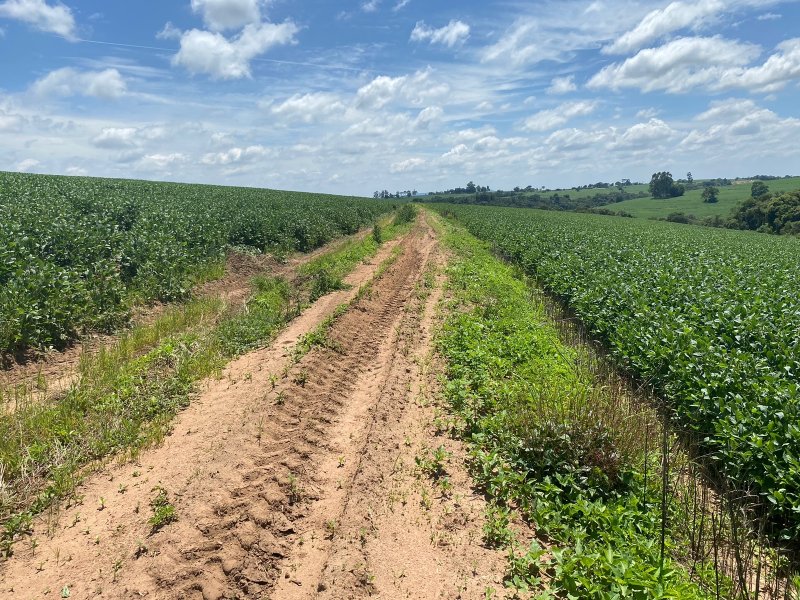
{"type": "Point", "coordinates": [679, 217]}
{"type": "Point", "coordinates": [710, 195]}
{"type": "Point", "coordinates": [470, 188]}
{"type": "Point", "coordinates": [376, 195]}
{"type": "Point", "coordinates": [759, 189]}
{"type": "Point", "coordinates": [771, 214]}
{"type": "Point", "coordinates": [689, 178]}
{"type": "Point", "coordinates": [663, 186]}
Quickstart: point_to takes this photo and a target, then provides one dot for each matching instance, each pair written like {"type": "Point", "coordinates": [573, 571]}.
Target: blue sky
{"type": "Point", "coordinates": [354, 96]}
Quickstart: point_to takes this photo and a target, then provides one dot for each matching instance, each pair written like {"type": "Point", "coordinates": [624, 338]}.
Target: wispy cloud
{"type": "Point", "coordinates": [455, 32]}
{"type": "Point", "coordinates": [370, 6]}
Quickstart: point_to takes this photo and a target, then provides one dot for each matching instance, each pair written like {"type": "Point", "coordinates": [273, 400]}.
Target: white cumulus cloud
{"type": "Point", "coordinates": [220, 15]}
{"type": "Point", "coordinates": [404, 166]}
{"type": "Point", "coordinates": [457, 154]}
{"type": "Point", "coordinates": [737, 125]}
{"type": "Point", "coordinates": [646, 135]}
{"type": "Point", "coordinates": [107, 84]}
{"type": "Point", "coordinates": [162, 161]}
{"type": "Point", "coordinates": [576, 139]}
{"type": "Point", "coordinates": [122, 138]}
{"type": "Point", "coordinates": [662, 21]}
{"type": "Point", "coordinates": [428, 116]}
{"type": "Point", "coordinates": [555, 117]}
{"type": "Point", "coordinates": [213, 54]}
{"type": "Point", "coordinates": [9, 122]}
{"type": "Point", "coordinates": [562, 85]}
{"type": "Point", "coordinates": [678, 66]}
{"type": "Point", "coordinates": [308, 108]}
{"type": "Point", "coordinates": [455, 32]}
{"type": "Point", "coordinates": [27, 165]}
{"type": "Point", "coordinates": [115, 138]}
{"type": "Point", "coordinates": [779, 69]}
{"type": "Point", "coordinates": [236, 155]}
{"type": "Point", "coordinates": [732, 108]}
{"type": "Point", "coordinates": [470, 134]}
{"type": "Point", "coordinates": [415, 88]}
{"type": "Point", "coordinates": [55, 18]}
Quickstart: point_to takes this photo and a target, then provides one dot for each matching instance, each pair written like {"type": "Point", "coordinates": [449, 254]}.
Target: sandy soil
{"type": "Point", "coordinates": [290, 478]}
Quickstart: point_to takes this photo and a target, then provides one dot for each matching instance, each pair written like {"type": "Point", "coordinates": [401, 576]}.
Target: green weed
{"type": "Point", "coordinates": [497, 532]}
{"type": "Point", "coordinates": [163, 511]}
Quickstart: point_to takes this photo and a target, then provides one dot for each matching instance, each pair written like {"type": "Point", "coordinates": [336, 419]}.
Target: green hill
{"type": "Point", "coordinates": [692, 203]}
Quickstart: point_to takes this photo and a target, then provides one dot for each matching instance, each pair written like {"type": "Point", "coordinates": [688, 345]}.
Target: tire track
{"type": "Point", "coordinates": [226, 469]}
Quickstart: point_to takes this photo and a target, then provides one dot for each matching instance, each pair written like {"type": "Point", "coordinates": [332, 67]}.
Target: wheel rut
{"type": "Point", "coordinates": [225, 468]}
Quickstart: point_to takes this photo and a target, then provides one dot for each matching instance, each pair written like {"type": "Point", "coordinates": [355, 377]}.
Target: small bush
{"type": "Point", "coordinates": [406, 214]}
{"type": "Point", "coordinates": [324, 283]}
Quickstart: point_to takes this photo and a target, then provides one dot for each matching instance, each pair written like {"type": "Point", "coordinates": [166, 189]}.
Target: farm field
{"type": "Point", "coordinates": [112, 244]}
{"type": "Point", "coordinates": [402, 413]}
{"type": "Point", "coordinates": [708, 318]}
{"type": "Point", "coordinates": [248, 351]}
{"type": "Point", "coordinates": [692, 203]}
{"type": "Point", "coordinates": [589, 192]}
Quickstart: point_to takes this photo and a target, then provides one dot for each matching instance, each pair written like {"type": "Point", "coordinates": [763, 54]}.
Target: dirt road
{"type": "Point", "coordinates": [291, 478]}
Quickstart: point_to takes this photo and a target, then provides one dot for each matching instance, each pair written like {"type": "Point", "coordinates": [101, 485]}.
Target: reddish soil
{"type": "Point", "coordinates": [290, 478]}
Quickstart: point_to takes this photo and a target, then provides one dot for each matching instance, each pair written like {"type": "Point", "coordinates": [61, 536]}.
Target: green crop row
{"type": "Point", "coordinates": [710, 318]}
{"type": "Point", "coordinates": [76, 253]}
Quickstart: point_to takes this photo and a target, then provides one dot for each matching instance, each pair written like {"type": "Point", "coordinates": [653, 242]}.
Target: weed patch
{"type": "Point", "coordinates": [163, 510]}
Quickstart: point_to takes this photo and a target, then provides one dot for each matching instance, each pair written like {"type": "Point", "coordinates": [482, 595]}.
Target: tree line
{"type": "Point", "coordinates": [763, 211]}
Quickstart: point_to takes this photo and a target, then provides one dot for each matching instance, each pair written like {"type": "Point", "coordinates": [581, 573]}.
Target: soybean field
{"type": "Point", "coordinates": [76, 253]}
{"type": "Point", "coordinates": [710, 318]}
